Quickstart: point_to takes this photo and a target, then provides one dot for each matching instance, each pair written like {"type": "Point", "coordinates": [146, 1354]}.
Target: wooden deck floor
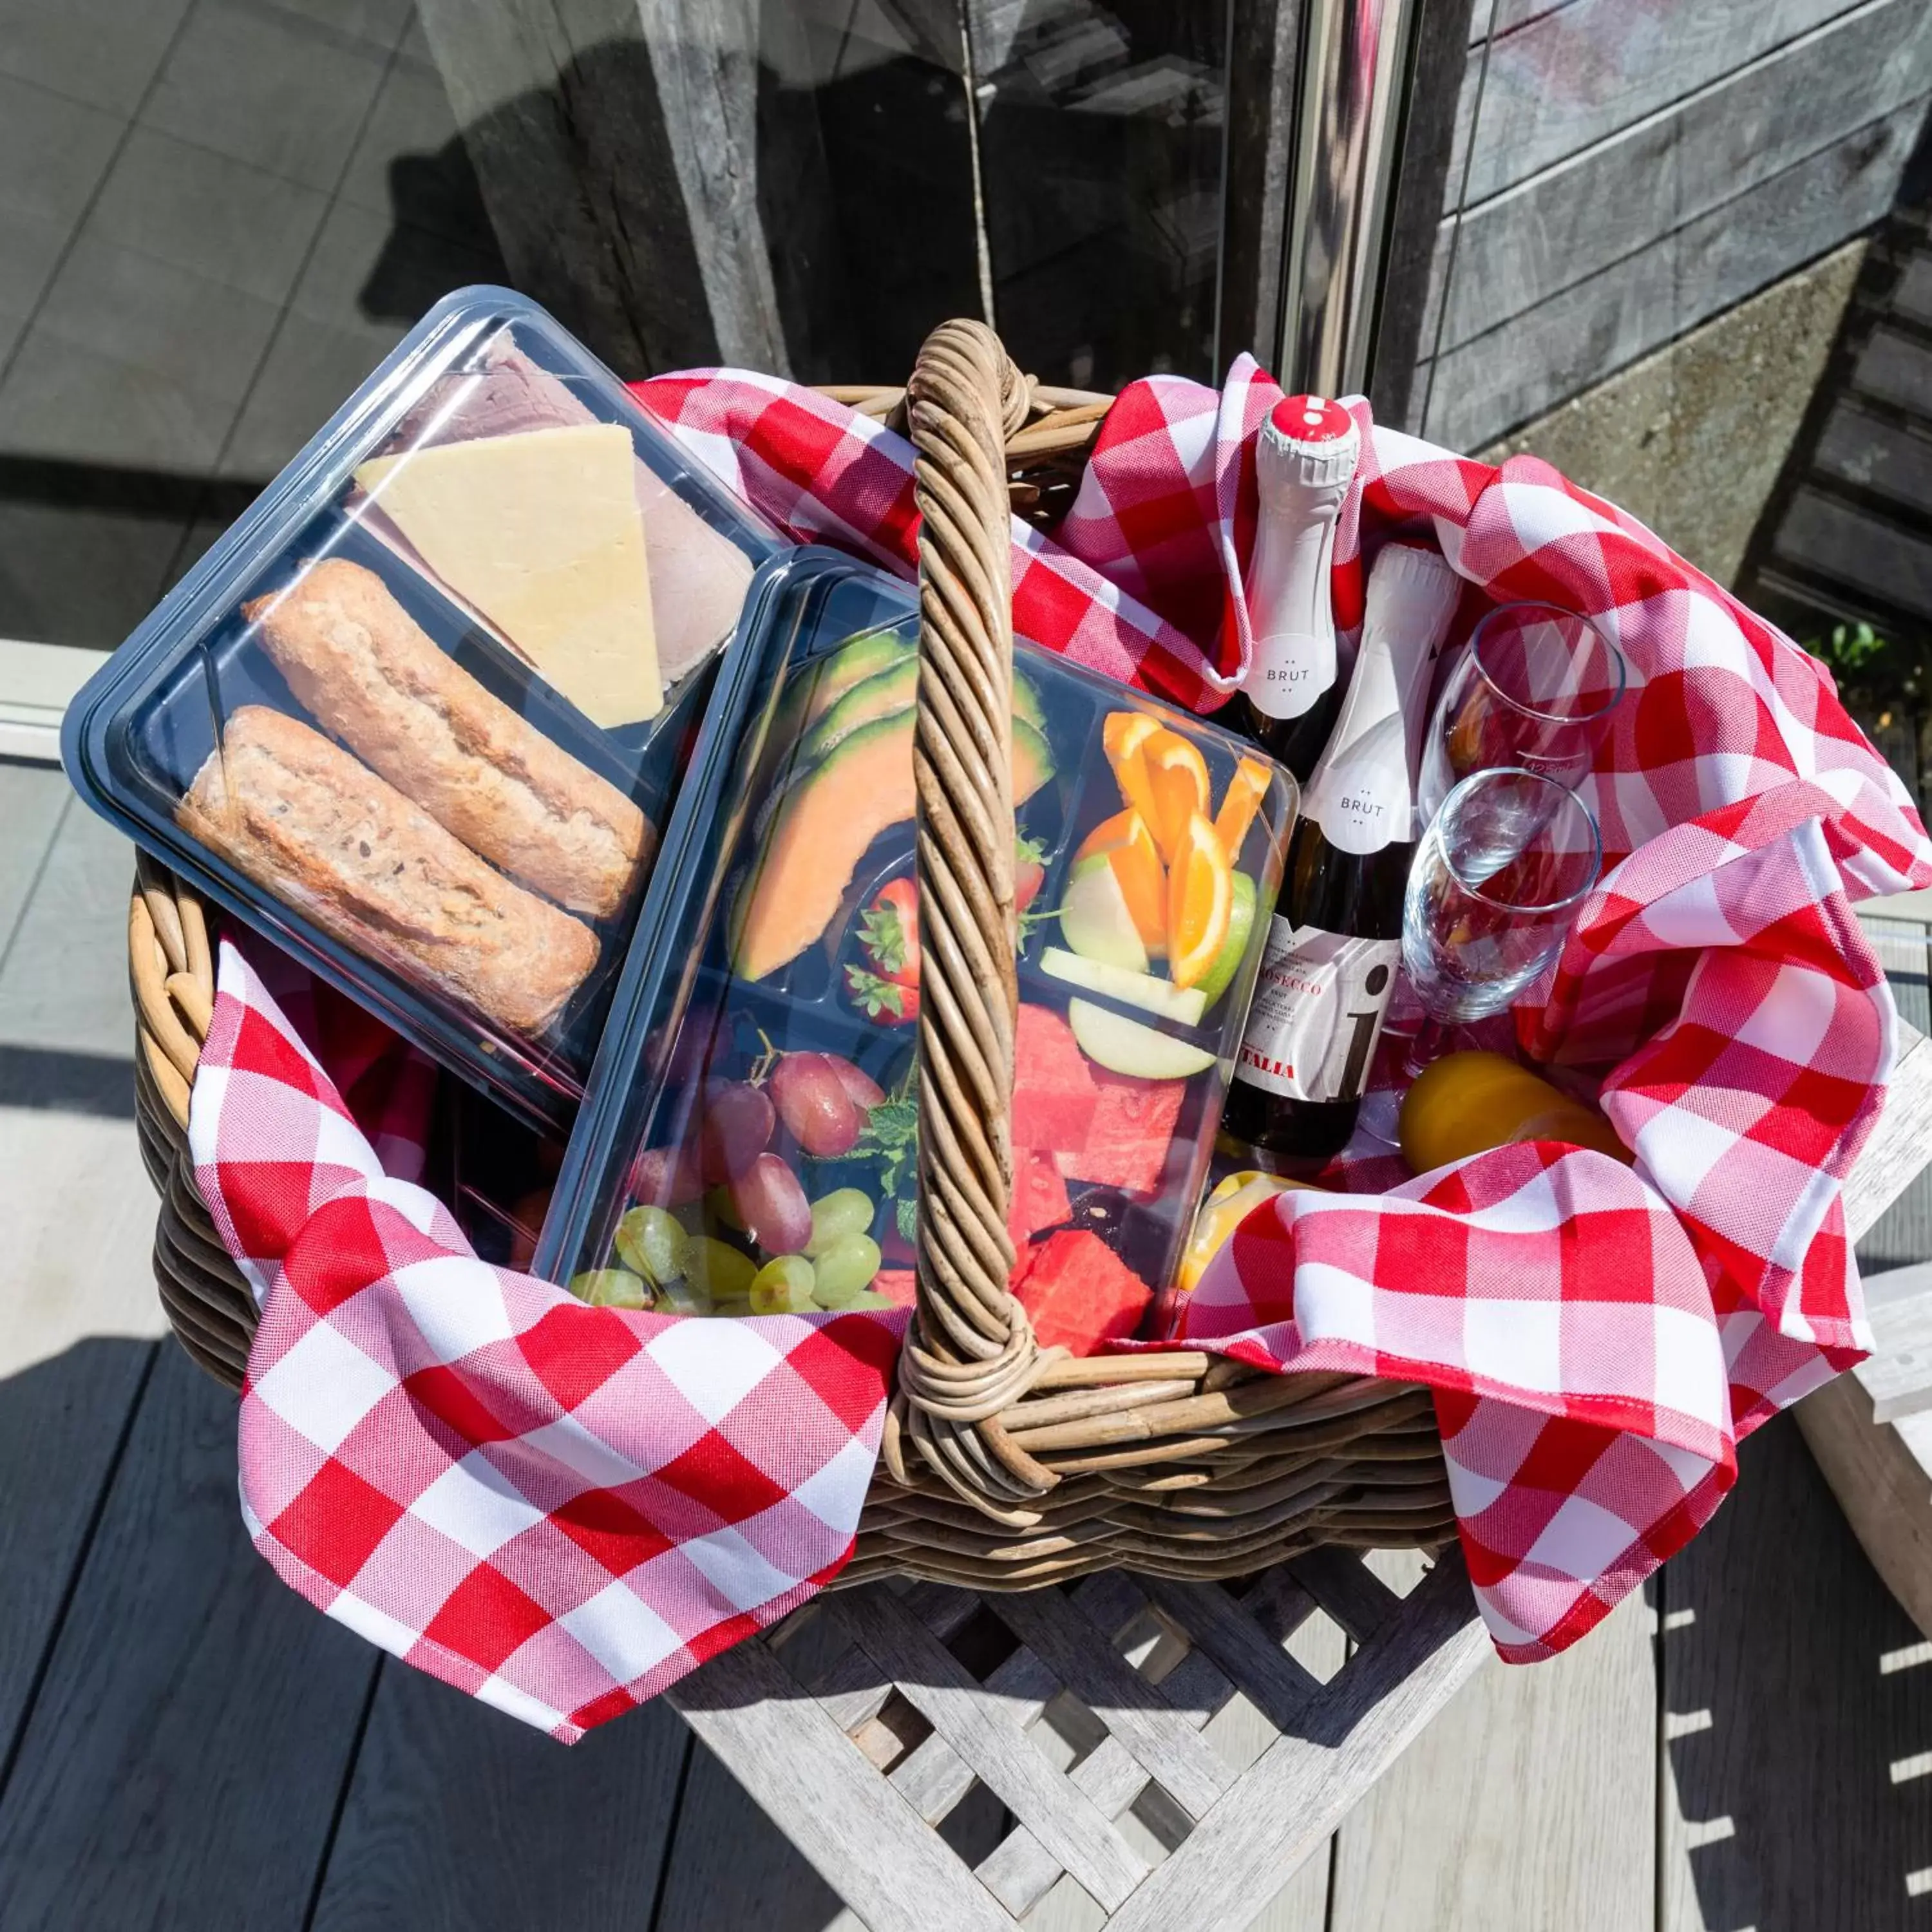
{"type": "Point", "coordinates": [183, 1743]}
{"type": "Point", "coordinates": [188, 1745]}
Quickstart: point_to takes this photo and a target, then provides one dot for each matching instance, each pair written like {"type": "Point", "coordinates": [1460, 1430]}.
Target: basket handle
{"type": "Point", "coordinates": [969, 1350]}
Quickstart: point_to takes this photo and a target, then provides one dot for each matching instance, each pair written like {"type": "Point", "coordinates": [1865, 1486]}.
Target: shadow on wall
{"type": "Point", "coordinates": [1846, 536]}
{"type": "Point", "coordinates": [829, 249]}
{"type": "Point", "coordinates": [436, 211]}
{"type": "Point", "coordinates": [1102, 148]}
{"type": "Point", "coordinates": [1797, 1702]}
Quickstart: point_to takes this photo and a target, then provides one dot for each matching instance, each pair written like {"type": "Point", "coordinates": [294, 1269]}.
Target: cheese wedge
{"type": "Point", "coordinates": [540, 531]}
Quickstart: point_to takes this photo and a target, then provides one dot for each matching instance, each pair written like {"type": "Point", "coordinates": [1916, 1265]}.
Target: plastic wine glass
{"type": "Point", "coordinates": [1534, 691]}
{"type": "Point", "coordinates": [1493, 890]}
{"type": "Point", "coordinates": [1496, 887]}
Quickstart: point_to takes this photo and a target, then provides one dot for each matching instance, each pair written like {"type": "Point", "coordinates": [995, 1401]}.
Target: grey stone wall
{"type": "Point", "coordinates": [1691, 439]}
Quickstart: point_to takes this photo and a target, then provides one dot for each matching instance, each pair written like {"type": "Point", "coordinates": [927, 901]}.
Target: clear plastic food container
{"type": "Point", "coordinates": [746, 1142]}
{"type": "Point", "coordinates": [494, 1171]}
{"type": "Point", "coordinates": [420, 715]}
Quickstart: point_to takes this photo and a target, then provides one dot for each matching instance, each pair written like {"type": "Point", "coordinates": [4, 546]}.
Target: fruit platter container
{"type": "Point", "coordinates": [421, 715]}
{"type": "Point", "coordinates": [748, 1140]}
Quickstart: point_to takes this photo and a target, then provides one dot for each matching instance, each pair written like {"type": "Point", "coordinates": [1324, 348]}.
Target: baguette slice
{"type": "Point", "coordinates": [303, 819]}
{"type": "Point", "coordinates": [358, 661]}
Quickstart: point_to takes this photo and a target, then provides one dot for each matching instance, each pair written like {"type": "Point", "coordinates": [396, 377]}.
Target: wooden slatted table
{"type": "Point", "coordinates": [1870, 1433]}
{"type": "Point", "coordinates": [865, 1722]}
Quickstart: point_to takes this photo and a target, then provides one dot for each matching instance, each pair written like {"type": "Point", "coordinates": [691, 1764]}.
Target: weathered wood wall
{"type": "Point", "coordinates": [807, 186]}
{"type": "Point", "coordinates": [1623, 169]}
{"type": "Point", "coordinates": [785, 184]}
{"type": "Point", "coordinates": [1853, 533]}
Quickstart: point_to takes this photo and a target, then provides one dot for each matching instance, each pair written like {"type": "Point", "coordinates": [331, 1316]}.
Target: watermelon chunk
{"type": "Point", "coordinates": [1127, 1139]}
{"type": "Point", "coordinates": [895, 1284]}
{"type": "Point", "coordinates": [1080, 1293]}
{"type": "Point", "coordinates": [1039, 1199]}
{"type": "Point", "coordinates": [1054, 1093]}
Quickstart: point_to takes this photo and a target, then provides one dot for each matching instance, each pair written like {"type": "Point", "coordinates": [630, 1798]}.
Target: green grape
{"type": "Point", "coordinates": [845, 1268]}
{"type": "Point", "coordinates": [783, 1286]}
{"type": "Point", "coordinates": [610, 1288]}
{"type": "Point", "coordinates": [684, 1297]}
{"type": "Point", "coordinates": [839, 1293]}
{"type": "Point", "coordinates": [867, 1298]}
{"type": "Point", "coordinates": [846, 1210]}
{"type": "Point", "coordinates": [717, 1267]}
{"type": "Point", "coordinates": [732, 1304]}
{"type": "Point", "coordinates": [721, 1211]}
{"type": "Point", "coordinates": [650, 1241]}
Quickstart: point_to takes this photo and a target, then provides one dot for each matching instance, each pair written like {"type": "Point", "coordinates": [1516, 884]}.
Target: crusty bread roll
{"type": "Point", "coordinates": [365, 668]}
{"type": "Point", "coordinates": [303, 819]}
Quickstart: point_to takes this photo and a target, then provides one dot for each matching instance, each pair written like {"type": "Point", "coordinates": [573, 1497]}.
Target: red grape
{"type": "Point", "coordinates": [814, 1104]}
{"type": "Point", "coordinates": [866, 1092]}
{"type": "Point", "coordinates": [737, 1123]}
{"type": "Point", "coordinates": [773, 1206]}
{"type": "Point", "coordinates": [665, 1178]}
{"type": "Point", "coordinates": [687, 1054]}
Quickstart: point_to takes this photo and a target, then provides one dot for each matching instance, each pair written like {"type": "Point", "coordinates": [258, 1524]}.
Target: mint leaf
{"type": "Point", "coordinates": [890, 1139]}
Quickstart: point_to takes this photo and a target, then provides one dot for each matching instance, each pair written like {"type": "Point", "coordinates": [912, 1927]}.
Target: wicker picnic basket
{"type": "Point", "coordinates": [1005, 1466]}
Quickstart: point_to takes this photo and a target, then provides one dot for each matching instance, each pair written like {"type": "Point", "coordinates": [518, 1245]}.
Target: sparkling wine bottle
{"type": "Point", "coordinates": [1335, 939]}
{"type": "Point", "coordinates": [1304, 457]}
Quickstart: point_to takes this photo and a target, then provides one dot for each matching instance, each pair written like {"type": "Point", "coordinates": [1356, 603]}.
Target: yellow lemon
{"type": "Point", "coordinates": [1466, 1103]}
{"type": "Point", "coordinates": [1578, 1126]}
{"type": "Point", "coordinates": [1221, 1214]}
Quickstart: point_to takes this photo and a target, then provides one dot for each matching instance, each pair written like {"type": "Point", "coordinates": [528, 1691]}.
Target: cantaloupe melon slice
{"type": "Point", "coordinates": [822, 827]}
{"type": "Point", "coordinates": [879, 696]}
{"type": "Point", "coordinates": [818, 684]}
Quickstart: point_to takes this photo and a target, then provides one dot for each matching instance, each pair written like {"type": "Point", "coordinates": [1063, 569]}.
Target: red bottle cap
{"type": "Point", "coordinates": [1311, 419]}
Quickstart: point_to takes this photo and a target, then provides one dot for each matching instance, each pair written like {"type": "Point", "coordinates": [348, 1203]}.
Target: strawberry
{"type": "Point", "coordinates": [890, 1002]}
{"type": "Point", "coordinates": [1029, 872]}
{"type": "Point", "coordinates": [889, 932]}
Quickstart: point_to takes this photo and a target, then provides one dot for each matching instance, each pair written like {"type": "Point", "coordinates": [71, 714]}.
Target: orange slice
{"type": "Point", "coordinates": [1177, 777]}
{"type": "Point", "coordinates": [1239, 804]}
{"type": "Point", "coordinates": [1200, 902]}
{"type": "Point", "coordinates": [1123, 733]}
{"type": "Point", "coordinates": [1130, 850]}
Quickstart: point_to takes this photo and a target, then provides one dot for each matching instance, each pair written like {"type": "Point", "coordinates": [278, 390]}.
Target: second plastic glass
{"type": "Point", "coordinates": [1534, 691]}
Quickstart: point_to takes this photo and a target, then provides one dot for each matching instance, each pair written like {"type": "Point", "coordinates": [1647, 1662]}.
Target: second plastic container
{"type": "Point", "coordinates": [746, 1143]}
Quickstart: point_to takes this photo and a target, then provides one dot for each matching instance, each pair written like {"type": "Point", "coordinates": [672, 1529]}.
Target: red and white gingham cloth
{"type": "Point", "coordinates": [562, 1508]}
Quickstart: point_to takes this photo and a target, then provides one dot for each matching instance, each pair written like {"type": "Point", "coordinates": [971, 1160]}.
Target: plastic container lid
{"type": "Point", "coordinates": [780, 931]}
{"type": "Point", "coordinates": [420, 715]}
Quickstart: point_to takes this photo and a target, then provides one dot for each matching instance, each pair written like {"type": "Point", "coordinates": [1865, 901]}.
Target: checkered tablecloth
{"type": "Point", "coordinates": [561, 1508]}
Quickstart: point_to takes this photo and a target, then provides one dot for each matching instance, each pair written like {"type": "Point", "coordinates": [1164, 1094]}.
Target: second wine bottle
{"type": "Point", "coordinates": [1335, 940]}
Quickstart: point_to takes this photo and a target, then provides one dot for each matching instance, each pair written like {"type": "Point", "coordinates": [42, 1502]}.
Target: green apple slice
{"type": "Point", "coordinates": [1185, 1004]}
{"type": "Point", "coordinates": [1241, 925]}
{"type": "Point", "coordinates": [1123, 1045]}
{"type": "Point", "coordinates": [1094, 919]}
